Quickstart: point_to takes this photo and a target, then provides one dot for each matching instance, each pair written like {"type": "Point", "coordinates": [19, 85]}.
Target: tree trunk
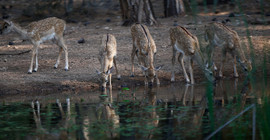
{"type": "Point", "coordinates": [137, 11]}
{"type": "Point", "coordinates": [174, 8]}
{"type": "Point", "coordinates": [68, 6]}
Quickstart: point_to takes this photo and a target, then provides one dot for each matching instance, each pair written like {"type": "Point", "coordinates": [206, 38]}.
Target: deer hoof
{"type": "Point", "coordinates": [66, 69]}
{"type": "Point", "coordinates": [55, 67]}
{"type": "Point", "coordinates": [118, 77]}
{"type": "Point", "coordinates": [34, 70]}
{"type": "Point", "coordinates": [29, 72]}
{"type": "Point", "coordinates": [132, 75]}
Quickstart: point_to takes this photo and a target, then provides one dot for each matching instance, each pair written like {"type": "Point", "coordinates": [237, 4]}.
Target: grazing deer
{"type": "Point", "coordinates": [187, 45]}
{"type": "Point", "coordinates": [144, 48]}
{"type": "Point", "coordinates": [38, 32]}
{"type": "Point", "coordinates": [226, 38]}
{"type": "Point", "coordinates": [107, 56]}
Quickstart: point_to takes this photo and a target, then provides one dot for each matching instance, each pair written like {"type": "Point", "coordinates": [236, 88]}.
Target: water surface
{"type": "Point", "coordinates": [170, 112]}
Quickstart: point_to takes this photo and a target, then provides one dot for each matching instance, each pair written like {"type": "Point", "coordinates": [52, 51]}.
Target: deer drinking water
{"type": "Point", "coordinates": [107, 56]}
{"type": "Point", "coordinates": [38, 32]}
{"type": "Point", "coordinates": [226, 38]}
{"type": "Point", "coordinates": [144, 48]}
{"type": "Point", "coordinates": [187, 46]}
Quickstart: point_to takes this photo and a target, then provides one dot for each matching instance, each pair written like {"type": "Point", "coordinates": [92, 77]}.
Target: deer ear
{"type": "Point", "coordinates": [143, 68]}
{"type": "Point", "coordinates": [98, 72]}
{"type": "Point", "coordinates": [110, 70]}
{"type": "Point", "coordinates": [158, 68]}
{"type": "Point", "coordinates": [206, 64]}
{"type": "Point", "coordinates": [8, 22]}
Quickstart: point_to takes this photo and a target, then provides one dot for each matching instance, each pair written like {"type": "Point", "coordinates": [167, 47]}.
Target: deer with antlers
{"type": "Point", "coordinates": [38, 32]}
{"type": "Point", "coordinates": [187, 46]}
{"type": "Point", "coordinates": [220, 35]}
{"type": "Point", "coordinates": [107, 56]}
{"type": "Point", "coordinates": [144, 48]}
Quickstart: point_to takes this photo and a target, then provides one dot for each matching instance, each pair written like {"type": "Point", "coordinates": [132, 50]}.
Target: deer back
{"type": "Point", "coordinates": [185, 39]}
{"type": "Point", "coordinates": [46, 26]}
{"type": "Point", "coordinates": [143, 39]}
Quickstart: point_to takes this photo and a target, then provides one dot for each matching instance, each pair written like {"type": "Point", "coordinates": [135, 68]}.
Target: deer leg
{"type": "Point", "coordinates": [68, 113]}
{"type": "Point", "coordinates": [181, 60]}
{"type": "Point", "coordinates": [58, 59]}
{"type": "Point", "coordinates": [234, 67]}
{"type": "Point", "coordinates": [32, 59]}
{"type": "Point", "coordinates": [173, 63]}
{"type": "Point", "coordinates": [34, 114]}
{"type": "Point", "coordinates": [223, 59]}
{"type": "Point", "coordinates": [185, 95]}
{"type": "Point", "coordinates": [37, 115]}
{"type": "Point", "coordinates": [132, 60]}
{"type": "Point", "coordinates": [118, 75]}
{"type": "Point", "coordinates": [215, 67]}
{"type": "Point", "coordinates": [60, 108]}
{"type": "Point", "coordinates": [36, 67]}
{"type": "Point", "coordinates": [158, 82]}
{"type": "Point", "coordinates": [62, 44]}
{"type": "Point", "coordinates": [86, 124]}
{"type": "Point", "coordinates": [191, 70]}
{"type": "Point", "coordinates": [110, 80]}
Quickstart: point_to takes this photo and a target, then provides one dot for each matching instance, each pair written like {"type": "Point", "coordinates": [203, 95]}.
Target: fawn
{"type": "Point", "coordinates": [107, 56]}
{"type": "Point", "coordinates": [220, 35]}
{"type": "Point", "coordinates": [187, 45]}
{"type": "Point", "coordinates": [144, 48]}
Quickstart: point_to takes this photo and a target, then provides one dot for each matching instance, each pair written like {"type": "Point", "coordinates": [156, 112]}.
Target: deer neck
{"type": "Point", "coordinates": [151, 58]}
{"type": "Point", "coordinates": [240, 54]}
{"type": "Point", "coordinates": [17, 28]}
{"type": "Point", "coordinates": [199, 58]}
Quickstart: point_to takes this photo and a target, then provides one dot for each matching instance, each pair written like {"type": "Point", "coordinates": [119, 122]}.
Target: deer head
{"type": "Point", "coordinates": [150, 73]}
{"type": "Point", "coordinates": [104, 77]}
{"type": "Point", "coordinates": [5, 27]}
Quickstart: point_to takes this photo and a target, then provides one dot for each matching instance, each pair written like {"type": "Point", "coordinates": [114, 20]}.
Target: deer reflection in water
{"type": "Point", "coordinates": [186, 113]}
{"type": "Point", "coordinates": [138, 113]}
{"type": "Point", "coordinates": [150, 115]}
{"type": "Point", "coordinates": [138, 116]}
{"type": "Point", "coordinates": [106, 114]}
{"type": "Point", "coordinates": [66, 122]}
{"type": "Point", "coordinates": [224, 93]}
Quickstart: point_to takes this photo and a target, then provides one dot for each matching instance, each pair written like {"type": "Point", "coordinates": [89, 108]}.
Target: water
{"type": "Point", "coordinates": [170, 112]}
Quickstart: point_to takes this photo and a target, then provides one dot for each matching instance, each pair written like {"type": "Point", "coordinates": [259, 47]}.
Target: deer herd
{"type": "Point", "coordinates": [182, 42]}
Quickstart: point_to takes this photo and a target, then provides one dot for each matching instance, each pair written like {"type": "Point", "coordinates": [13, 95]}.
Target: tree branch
{"type": "Point", "coordinates": [19, 53]}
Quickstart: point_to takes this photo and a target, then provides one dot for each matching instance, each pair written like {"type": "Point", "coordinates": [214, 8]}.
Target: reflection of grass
{"type": "Point", "coordinates": [14, 119]}
{"type": "Point", "coordinates": [241, 128]}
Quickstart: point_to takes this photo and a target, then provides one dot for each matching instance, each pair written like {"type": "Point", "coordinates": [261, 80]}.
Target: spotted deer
{"type": "Point", "coordinates": [187, 46]}
{"type": "Point", "coordinates": [144, 48]}
{"type": "Point", "coordinates": [220, 35]}
{"type": "Point", "coordinates": [38, 32]}
{"type": "Point", "coordinates": [107, 56]}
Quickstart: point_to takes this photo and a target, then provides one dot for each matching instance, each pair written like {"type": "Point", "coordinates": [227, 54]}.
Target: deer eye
{"type": "Point", "coordinates": [5, 26]}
